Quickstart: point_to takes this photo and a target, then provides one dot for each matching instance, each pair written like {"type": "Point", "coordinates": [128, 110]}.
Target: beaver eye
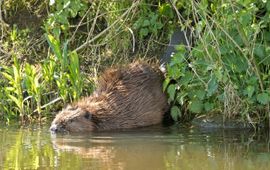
{"type": "Point", "coordinates": [87, 115]}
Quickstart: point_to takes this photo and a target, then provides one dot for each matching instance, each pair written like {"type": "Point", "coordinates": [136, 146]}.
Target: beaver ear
{"type": "Point", "coordinates": [87, 115]}
{"type": "Point", "coordinates": [70, 107]}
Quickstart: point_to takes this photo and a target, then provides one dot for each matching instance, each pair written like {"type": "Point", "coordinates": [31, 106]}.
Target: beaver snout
{"type": "Point", "coordinates": [57, 128]}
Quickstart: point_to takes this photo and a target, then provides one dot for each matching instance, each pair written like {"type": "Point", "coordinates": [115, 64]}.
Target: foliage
{"type": "Point", "coordinates": [227, 70]}
{"type": "Point", "coordinates": [53, 51]}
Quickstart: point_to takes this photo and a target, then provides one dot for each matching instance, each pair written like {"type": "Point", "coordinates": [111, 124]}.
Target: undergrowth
{"type": "Point", "coordinates": [54, 56]}
{"type": "Point", "coordinates": [52, 51]}
{"type": "Point", "coordinates": [227, 70]}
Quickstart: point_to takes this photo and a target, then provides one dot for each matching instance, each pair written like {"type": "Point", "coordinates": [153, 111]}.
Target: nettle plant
{"type": "Point", "coordinates": [227, 70]}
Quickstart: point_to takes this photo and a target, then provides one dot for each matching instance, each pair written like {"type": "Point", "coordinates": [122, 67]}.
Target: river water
{"type": "Point", "coordinates": [148, 148]}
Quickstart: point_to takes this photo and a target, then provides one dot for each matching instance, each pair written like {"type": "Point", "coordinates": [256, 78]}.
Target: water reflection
{"type": "Point", "coordinates": [146, 148]}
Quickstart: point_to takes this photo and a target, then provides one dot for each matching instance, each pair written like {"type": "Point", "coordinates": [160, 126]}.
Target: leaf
{"type": "Point", "coordinates": [146, 23]}
{"type": "Point", "coordinates": [174, 72]}
{"type": "Point", "coordinates": [7, 76]}
{"type": "Point", "coordinates": [208, 106]}
{"type": "Point", "coordinates": [55, 45]}
{"type": "Point", "coordinates": [259, 51]}
{"type": "Point", "coordinates": [166, 10]}
{"type": "Point", "coordinates": [268, 5]}
{"type": "Point", "coordinates": [186, 78]}
{"type": "Point", "coordinates": [263, 98]}
{"type": "Point", "coordinates": [212, 86]}
{"type": "Point", "coordinates": [250, 90]}
{"type": "Point", "coordinates": [175, 113]}
{"type": "Point", "coordinates": [171, 91]}
{"type": "Point", "coordinates": [144, 32]}
{"type": "Point", "coordinates": [166, 83]}
{"type": "Point", "coordinates": [200, 94]}
{"type": "Point", "coordinates": [16, 100]}
{"type": "Point", "coordinates": [181, 48]}
{"type": "Point", "coordinates": [181, 97]}
{"type": "Point", "coordinates": [196, 106]}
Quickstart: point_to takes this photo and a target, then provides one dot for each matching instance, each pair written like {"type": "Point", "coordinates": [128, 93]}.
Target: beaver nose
{"type": "Point", "coordinates": [56, 128]}
{"type": "Point", "coordinates": [53, 128]}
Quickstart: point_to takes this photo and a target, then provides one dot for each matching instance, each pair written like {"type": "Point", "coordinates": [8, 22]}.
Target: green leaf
{"type": "Point", "coordinates": [174, 72]}
{"type": "Point", "coordinates": [200, 94]}
{"type": "Point", "coordinates": [180, 48]}
{"type": "Point", "coordinates": [196, 106]}
{"type": "Point", "coordinates": [7, 76]}
{"type": "Point", "coordinates": [166, 10]}
{"type": "Point", "coordinates": [144, 32]}
{"type": "Point", "coordinates": [166, 83]}
{"type": "Point", "coordinates": [181, 97]}
{"type": "Point", "coordinates": [146, 23]}
{"type": "Point", "coordinates": [250, 90]}
{"type": "Point", "coordinates": [171, 91]}
{"type": "Point", "coordinates": [175, 113]}
{"type": "Point", "coordinates": [208, 106]}
{"type": "Point", "coordinates": [263, 98]}
{"type": "Point", "coordinates": [259, 51]}
{"type": "Point", "coordinates": [268, 5]}
{"type": "Point", "coordinates": [212, 86]}
{"type": "Point", "coordinates": [186, 78]}
{"type": "Point", "coordinates": [16, 100]}
{"type": "Point", "coordinates": [55, 45]}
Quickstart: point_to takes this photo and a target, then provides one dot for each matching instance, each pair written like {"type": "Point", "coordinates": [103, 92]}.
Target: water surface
{"type": "Point", "coordinates": [145, 148]}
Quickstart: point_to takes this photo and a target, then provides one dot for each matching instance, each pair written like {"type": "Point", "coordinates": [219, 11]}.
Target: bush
{"type": "Point", "coordinates": [227, 70]}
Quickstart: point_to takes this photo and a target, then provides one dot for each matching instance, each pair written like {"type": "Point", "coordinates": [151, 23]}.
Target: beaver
{"type": "Point", "coordinates": [126, 97]}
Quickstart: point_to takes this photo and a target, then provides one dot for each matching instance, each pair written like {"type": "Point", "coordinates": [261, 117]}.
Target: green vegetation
{"type": "Point", "coordinates": [227, 70]}
{"type": "Point", "coordinates": [51, 53]}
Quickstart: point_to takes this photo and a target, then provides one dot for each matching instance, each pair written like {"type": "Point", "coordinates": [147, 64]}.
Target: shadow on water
{"type": "Point", "coordinates": [145, 148]}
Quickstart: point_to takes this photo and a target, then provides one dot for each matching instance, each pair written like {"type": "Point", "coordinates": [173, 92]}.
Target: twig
{"type": "Point", "coordinates": [108, 28]}
{"type": "Point", "coordinates": [80, 23]}
{"type": "Point", "coordinates": [133, 39]}
{"type": "Point", "coordinates": [50, 103]}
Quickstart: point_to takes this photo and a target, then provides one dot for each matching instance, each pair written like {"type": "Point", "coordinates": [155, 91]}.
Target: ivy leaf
{"type": "Point", "coordinates": [175, 113]}
{"type": "Point", "coordinates": [196, 106]}
{"type": "Point", "coordinates": [263, 98]}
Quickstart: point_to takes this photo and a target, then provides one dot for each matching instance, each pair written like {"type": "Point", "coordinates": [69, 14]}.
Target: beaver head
{"type": "Point", "coordinates": [73, 119]}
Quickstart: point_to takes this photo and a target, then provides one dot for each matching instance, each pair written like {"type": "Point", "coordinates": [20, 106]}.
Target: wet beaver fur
{"type": "Point", "coordinates": [126, 97]}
